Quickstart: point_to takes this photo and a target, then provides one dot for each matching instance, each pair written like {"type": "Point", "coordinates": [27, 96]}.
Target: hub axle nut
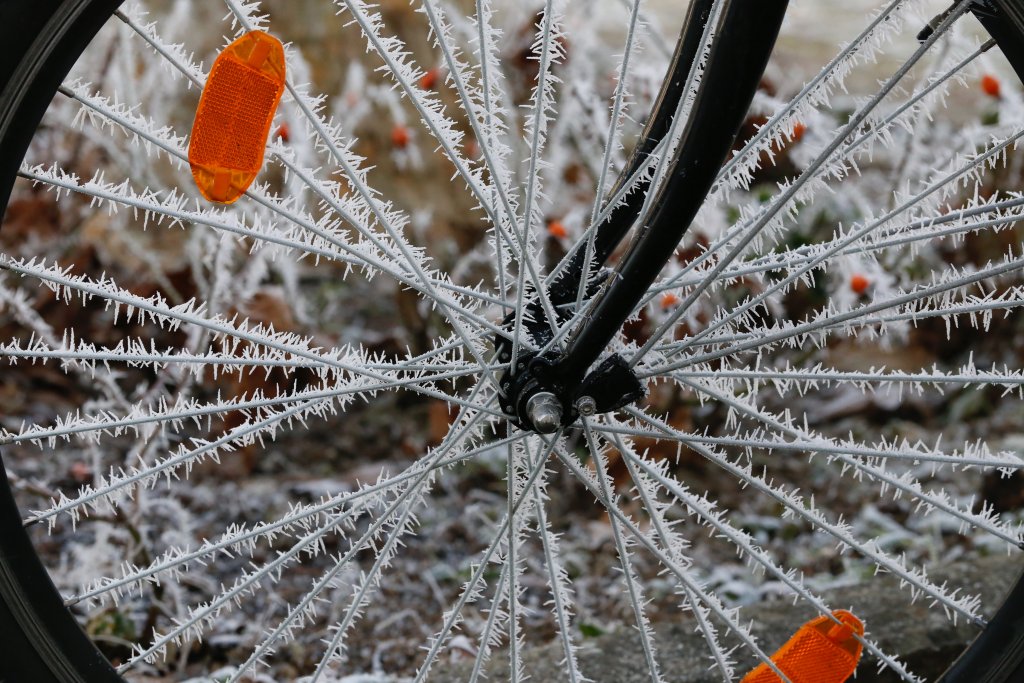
{"type": "Point", "coordinates": [544, 411]}
{"type": "Point", "coordinates": [586, 406]}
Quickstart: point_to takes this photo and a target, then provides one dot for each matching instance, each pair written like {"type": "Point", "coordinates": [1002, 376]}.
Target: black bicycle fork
{"type": "Point", "coordinates": [545, 392]}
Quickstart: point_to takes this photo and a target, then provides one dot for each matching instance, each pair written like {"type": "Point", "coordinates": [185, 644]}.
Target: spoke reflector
{"type": "Point", "coordinates": [822, 651]}
{"type": "Point", "coordinates": [235, 111]}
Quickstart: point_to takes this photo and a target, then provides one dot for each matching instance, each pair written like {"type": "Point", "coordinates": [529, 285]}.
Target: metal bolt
{"type": "Point", "coordinates": [586, 406]}
{"type": "Point", "coordinates": [544, 412]}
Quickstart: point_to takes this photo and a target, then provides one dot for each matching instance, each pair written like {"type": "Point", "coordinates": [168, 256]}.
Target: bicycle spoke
{"type": "Point", "coordinates": [915, 579]}
{"type": "Point", "coordinates": [905, 482]}
{"type": "Point", "coordinates": [707, 513]}
{"type": "Point", "coordinates": [769, 218]}
{"type": "Point", "coordinates": [472, 589]}
{"type": "Point", "coordinates": [493, 150]}
{"type": "Point", "coordinates": [243, 539]}
{"type": "Point", "coordinates": [975, 454]}
{"type": "Point", "coordinates": [678, 567]}
{"type": "Point", "coordinates": [634, 589]}
{"type": "Point", "coordinates": [893, 236]}
{"type": "Point", "coordinates": [548, 51]}
{"type": "Point", "coordinates": [643, 487]}
{"type": "Point", "coordinates": [831, 319]}
{"type": "Point", "coordinates": [611, 144]}
{"type": "Point", "coordinates": [815, 93]}
{"type": "Point", "coordinates": [946, 181]}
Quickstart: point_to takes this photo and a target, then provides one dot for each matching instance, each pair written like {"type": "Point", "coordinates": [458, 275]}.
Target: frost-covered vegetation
{"type": "Point", "coordinates": [263, 442]}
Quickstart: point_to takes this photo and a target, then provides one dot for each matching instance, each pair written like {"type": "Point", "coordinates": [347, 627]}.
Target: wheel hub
{"type": "Point", "coordinates": [535, 398]}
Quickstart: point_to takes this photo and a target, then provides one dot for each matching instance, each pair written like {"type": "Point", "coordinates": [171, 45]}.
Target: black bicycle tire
{"type": "Point", "coordinates": [42, 641]}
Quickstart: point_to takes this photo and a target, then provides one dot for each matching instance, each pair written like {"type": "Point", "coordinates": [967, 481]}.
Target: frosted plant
{"type": "Point", "coordinates": [204, 349]}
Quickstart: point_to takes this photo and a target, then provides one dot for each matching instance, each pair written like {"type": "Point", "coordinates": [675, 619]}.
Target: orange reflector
{"type": "Point", "coordinates": [237, 106]}
{"type": "Point", "coordinates": [822, 651]}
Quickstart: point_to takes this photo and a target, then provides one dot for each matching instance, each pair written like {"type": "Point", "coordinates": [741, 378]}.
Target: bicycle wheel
{"type": "Point", "coordinates": [191, 475]}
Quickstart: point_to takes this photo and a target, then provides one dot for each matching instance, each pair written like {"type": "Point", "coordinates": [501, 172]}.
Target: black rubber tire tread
{"type": "Point", "coordinates": [40, 640]}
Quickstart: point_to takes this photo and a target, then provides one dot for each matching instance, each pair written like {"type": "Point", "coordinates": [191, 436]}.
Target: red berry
{"type": "Point", "coordinates": [557, 230]}
{"type": "Point", "coordinates": [668, 300]}
{"type": "Point", "coordinates": [798, 131]}
{"type": "Point", "coordinates": [283, 133]}
{"type": "Point", "coordinates": [859, 284]}
{"type": "Point", "coordinates": [429, 79]}
{"type": "Point", "coordinates": [80, 472]}
{"type": "Point", "coordinates": [400, 136]}
{"type": "Point", "coordinates": [990, 84]}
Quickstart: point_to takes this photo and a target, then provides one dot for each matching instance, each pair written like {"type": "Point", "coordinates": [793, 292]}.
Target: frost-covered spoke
{"type": "Point", "coordinates": [479, 106]}
{"type": "Point", "coordinates": [829, 320]}
{"type": "Point", "coordinates": [473, 588]}
{"type": "Point", "coordinates": [655, 510]}
{"type": "Point", "coordinates": [67, 286]}
{"type": "Point", "coordinates": [175, 54]}
{"type": "Point", "coordinates": [944, 183]}
{"type": "Point", "coordinates": [424, 472]}
{"type": "Point", "coordinates": [135, 353]}
{"type": "Point", "coordinates": [494, 125]}
{"type": "Point", "coordinates": [205, 616]}
{"type": "Point", "coordinates": [612, 144]}
{"type": "Point", "coordinates": [407, 255]}
{"type": "Point", "coordinates": [142, 421]}
{"type": "Point", "coordinates": [975, 310]}
{"type": "Point", "coordinates": [680, 567]}
{"type": "Point", "coordinates": [815, 93]}
{"type": "Point", "coordinates": [770, 218]}
{"type": "Point", "coordinates": [116, 487]}
{"type": "Point", "coordinates": [707, 513]}
{"type": "Point", "coordinates": [875, 132]}
{"type": "Point", "coordinates": [558, 581]}
{"type": "Point", "coordinates": [785, 380]}
{"type": "Point", "coordinates": [405, 75]}
{"type": "Point", "coordinates": [994, 215]}
{"type": "Point", "coordinates": [902, 483]}
{"type": "Point", "coordinates": [634, 589]}
{"type": "Point", "coordinates": [112, 490]}
{"type": "Point", "coordinates": [243, 539]}
{"type": "Point", "coordinates": [42, 333]}
{"type": "Point", "coordinates": [490, 636]}
{"type": "Point", "coordinates": [914, 578]}
{"type": "Point", "coordinates": [548, 50]}
{"type": "Point", "coordinates": [975, 454]}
